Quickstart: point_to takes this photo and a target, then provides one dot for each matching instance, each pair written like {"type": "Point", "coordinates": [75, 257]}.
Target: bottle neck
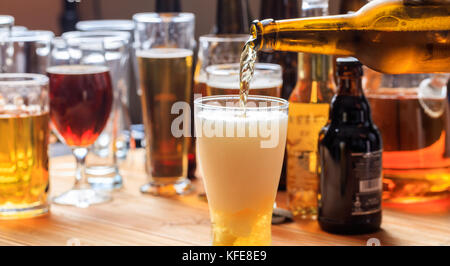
{"type": "Point", "coordinates": [168, 6]}
{"type": "Point", "coordinates": [350, 85]}
{"type": "Point", "coordinates": [232, 17]}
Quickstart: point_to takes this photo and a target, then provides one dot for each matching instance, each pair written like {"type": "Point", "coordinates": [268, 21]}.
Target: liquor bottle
{"type": "Point", "coordinates": [350, 155]}
{"type": "Point", "coordinates": [168, 6]}
{"type": "Point", "coordinates": [69, 17]}
{"type": "Point", "coordinates": [232, 17]}
{"type": "Point", "coordinates": [394, 36]}
{"type": "Point", "coordinates": [283, 9]}
{"type": "Point", "coordinates": [308, 113]}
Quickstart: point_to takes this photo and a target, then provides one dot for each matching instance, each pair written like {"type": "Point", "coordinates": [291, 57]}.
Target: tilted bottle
{"type": "Point", "coordinates": [390, 36]}
{"type": "Point", "coordinates": [350, 152]}
{"type": "Point", "coordinates": [308, 113]}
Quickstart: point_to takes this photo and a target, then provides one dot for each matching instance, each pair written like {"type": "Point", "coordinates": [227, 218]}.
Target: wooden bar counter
{"type": "Point", "coordinates": [136, 219]}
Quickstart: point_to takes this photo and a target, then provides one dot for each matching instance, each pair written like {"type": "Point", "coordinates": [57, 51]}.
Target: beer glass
{"type": "Point", "coordinates": [81, 100]}
{"type": "Point", "coordinates": [241, 152]}
{"type": "Point", "coordinates": [213, 50]}
{"type": "Point", "coordinates": [133, 99]}
{"type": "Point", "coordinates": [412, 113]}
{"type": "Point", "coordinates": [164, 43]}
{"type": "Point", "coordinates": [24, 118]}
{"type": "Point", "coordinates": [224, 80]}
{"type": "Point", "coordinates": [112, 144]}
{"type": "Point", "coordinates": [26, 51]}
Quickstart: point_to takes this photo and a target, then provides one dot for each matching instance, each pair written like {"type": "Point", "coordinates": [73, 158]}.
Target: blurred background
{"type": "Point", "coordinates": [46, 14]}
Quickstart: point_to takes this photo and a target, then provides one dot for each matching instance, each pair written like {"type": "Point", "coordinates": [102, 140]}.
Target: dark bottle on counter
{"type": "Point", "coordinates": [350, 152]}
{"type": "Point", "coordinates": [232, 17]}
{"type": "Point", "coordinates": [168, 6]}
{"type": "Point", "coordinates": [282, 9]}
{"type": "Point", "coordinates": [69, 17]}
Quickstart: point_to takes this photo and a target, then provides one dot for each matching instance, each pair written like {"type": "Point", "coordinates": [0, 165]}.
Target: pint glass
{"type": "Point", "coordinates": [164, 43]}
{"type": "Point", "coordinates": [24, 118]}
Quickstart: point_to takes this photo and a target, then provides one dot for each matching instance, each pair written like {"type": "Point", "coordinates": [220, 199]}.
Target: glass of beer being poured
{"type": "Point", "coordinates": [164, 43]}
{"type": "Point", "coordinates": [241, 158]}
{"type": "Point", "coordinates": [81, 98]}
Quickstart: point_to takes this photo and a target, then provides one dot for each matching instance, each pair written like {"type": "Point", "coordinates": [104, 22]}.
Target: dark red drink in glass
{"type": "Point", "coordinates": [80, 102]}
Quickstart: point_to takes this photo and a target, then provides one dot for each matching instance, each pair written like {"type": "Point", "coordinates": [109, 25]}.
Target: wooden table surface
{"type": "Point", "coordinates": [136, 219]}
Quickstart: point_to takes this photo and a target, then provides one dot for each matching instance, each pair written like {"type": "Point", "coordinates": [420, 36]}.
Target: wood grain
{"type": "Point", "coordinates": [136, 219]}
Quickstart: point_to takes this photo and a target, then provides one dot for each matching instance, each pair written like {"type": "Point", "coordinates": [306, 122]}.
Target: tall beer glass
{"type": "Point", "coordinates": [241, 152]}
{"type": "Point", "coordinates": [112, 144]}
{"type": "Point", "coordinates": [24, 118]}
{"type": "Point", "coordinates": [81, 99]}
{"type": "Point", "coordinates": [224, 80]}
{"type": "Point", "coordinates": [164, 44]}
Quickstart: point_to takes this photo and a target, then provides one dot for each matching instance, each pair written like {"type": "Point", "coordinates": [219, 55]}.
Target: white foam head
{"type": "Point", "coordinates": [77, 69]}
{"type": "Point", "coordinates": [162, 53]}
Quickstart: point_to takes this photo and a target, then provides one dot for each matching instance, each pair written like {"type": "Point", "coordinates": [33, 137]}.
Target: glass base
{"type": "Point", "coordinates": [23, 213]}
{"type": "Point", "coordinates": [104, 178]}
{"type": "Point", "coordinates": [82, 198]}
{"type": "Point", "coordinates": [180, 188]}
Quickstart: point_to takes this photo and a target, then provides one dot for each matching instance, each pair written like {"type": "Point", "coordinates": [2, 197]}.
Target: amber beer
{"type": "Point", "coordinates": [258, 88]}
{"type": "Point", "coordinates": [166, 76]}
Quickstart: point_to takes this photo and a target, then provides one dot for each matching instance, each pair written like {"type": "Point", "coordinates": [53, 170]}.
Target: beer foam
{"type": "Point", "coordinates": [259, 83]}
{"type": "Point", "coordinates": [77, 69]}
{"type": "Point", "coordinates": [161, 53]}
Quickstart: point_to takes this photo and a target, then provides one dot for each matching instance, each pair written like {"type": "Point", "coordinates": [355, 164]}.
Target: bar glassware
{"type": "Point", "coordinates": [24, 119]}
{"type": "Point", "coordinates": [241, 152]}
{"type": "Point", "coordinates": [164, 43]}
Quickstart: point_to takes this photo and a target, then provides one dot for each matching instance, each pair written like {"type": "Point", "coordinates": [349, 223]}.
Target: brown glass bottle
{"type": "Point", "coordinates": [232, 17]}
{"type": "Point", "coordinates": [168, 6]}
{"type": "Point", "coordinates": [390, 36]}
{"type": "Point", "coordinates": [350, 155]}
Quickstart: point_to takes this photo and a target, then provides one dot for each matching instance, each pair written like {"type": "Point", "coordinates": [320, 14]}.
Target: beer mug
{"type": "Point", "coordinates": [26, 51]}
{"type": "Point", "coordinates": [164, 44]}
{"type": "Point", "coordinates": [108, 48]}
{"type": "Point", "coordinates": [24, 125]}
{"type": "Point", "coordinates": [412, 113]}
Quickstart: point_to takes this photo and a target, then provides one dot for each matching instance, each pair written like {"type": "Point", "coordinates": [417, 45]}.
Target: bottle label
{"type": "Point", "coordinates": [367, 173]}
{"type": "Point", "coordinates": [305, 122]}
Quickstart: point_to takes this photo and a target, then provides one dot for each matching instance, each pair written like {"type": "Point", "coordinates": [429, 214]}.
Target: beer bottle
{"type": "Point", "coordinates": [394, 37]}
{"type": "Point", "coordinates": [308, 113]}
{"type": "Point", "coordinates": [350, 152]}
{"type": "Point", "coordinates": [232, 17]}
{"type": "Point", "coordinates": [69, 17]}
{"type": "Point", "coordinates": [168, 6]}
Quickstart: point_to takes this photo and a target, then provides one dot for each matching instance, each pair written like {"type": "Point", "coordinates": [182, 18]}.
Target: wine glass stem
{"type": "Point", "coordinates": [80, 174]}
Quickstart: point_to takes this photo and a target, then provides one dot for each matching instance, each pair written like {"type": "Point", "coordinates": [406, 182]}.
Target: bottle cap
{"type": "Point", "coordinates": [347, 65]}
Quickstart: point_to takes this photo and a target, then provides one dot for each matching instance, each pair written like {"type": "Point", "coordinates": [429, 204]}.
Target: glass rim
{"type": "Point", "coordinates": [22, 79]}
{"type": "Point", "coordinates": [96, 36]}
{"type": "Point", "coordinates": [224, 37]}
{"type": "Point", "coordinates": [105, 24]}
{"type": "Point", "coordinates": [165, 17]}
{"type": "Point", "coordinates": [283, 104]}
{"type": "Point", "coordinates": [30, 36]}
{"type": "Point", "coordinates": [225, 69]}
{"type": "Point", "coordinates": [6, 20]}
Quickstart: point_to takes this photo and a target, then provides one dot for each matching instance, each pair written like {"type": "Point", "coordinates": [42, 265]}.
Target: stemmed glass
{"type": "Point", "coordinates": [81, 98]}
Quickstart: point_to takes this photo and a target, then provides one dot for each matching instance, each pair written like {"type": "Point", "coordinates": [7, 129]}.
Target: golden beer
{"type": "Point", "coordinates": [166, 78]}
{"type": "Point", "coordinates": [24, 179]}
